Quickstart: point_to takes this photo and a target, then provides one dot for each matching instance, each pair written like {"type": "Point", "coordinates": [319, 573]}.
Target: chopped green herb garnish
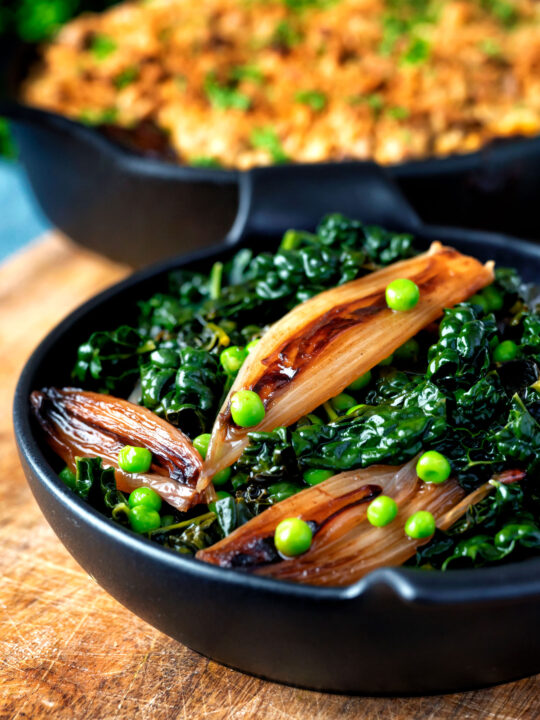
{"type": "Point", "coordinates": [126, 77]}
{"type": "Point", "coordinates": [315, 99]}
{"type": "Point", "coordinates": [102, 46]}
{"type": "Point", "coordinates": [505, 12]}
{"type": "Point", "coordinates": [225, 96]}
{"type": "Point", "coordinates": [373, 101]}
{"type": "Point", "coordinates": [398, 113]}
{"type": "Point", "coordinates": [285, 35]}
{"type": "Point", "coordinates": [266, 138]}
{"type": "Point", "coordinates": [300, 5]}
{"type": "Point", "coordinates": [490, 47]}
{"type": "Point", "coordinates": [401, 18]}
{"type": "Point", "coordinates": [417, 52]}
{"type": "Point", "coordinates": [204, 161]}
{"type": "Point", "coordinates": [246, 72]}
{"type": "Point", "coordinates": [98, 117]}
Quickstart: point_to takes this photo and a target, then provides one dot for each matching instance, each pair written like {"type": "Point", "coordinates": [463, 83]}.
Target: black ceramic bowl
{"type": "Point", "coordinates": [126, 205]}
{"type": "Point", "coordinates": [397, 631]}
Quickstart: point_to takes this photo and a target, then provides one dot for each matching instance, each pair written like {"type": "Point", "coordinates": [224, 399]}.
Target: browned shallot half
{"type": "Point", "coordinates": [323, 344]}
{"type": "Point", "coordinates": [86, 424]}
{"type": "Point", "coordinates": [345, 545]}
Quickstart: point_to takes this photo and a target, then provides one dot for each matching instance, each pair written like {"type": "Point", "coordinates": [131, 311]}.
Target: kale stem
{"type": "Point", "coordinates": [216, 275]}
{"type": "Point", "coordinates": [184, 523]}
{"type": "Point", "coordinates": [290, 240]}
{"type": "Point", "coordinates": [293, 238]}
{"type": "Point", "coordinates": [332, 414]}
{"type": "Point", "coordinates": [120, 509]}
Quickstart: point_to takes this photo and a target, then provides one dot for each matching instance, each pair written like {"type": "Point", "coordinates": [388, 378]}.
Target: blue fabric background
{"type": "Point", "coordinates": [20, 218]}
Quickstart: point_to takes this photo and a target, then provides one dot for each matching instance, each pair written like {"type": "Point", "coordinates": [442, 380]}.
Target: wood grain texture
{"type": "Point", "coordinates": [67, 649]}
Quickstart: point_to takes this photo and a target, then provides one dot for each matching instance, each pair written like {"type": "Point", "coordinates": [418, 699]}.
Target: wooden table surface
{"type": "Point", "coordinates": [67, 649]}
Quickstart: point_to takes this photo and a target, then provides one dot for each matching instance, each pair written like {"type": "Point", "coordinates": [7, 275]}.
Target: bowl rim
{"type": "Point", "coordinates": [499, 584]}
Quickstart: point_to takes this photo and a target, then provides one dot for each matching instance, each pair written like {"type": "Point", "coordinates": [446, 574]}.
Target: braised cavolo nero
{"type": "Point", "coordinates": [422, 445]}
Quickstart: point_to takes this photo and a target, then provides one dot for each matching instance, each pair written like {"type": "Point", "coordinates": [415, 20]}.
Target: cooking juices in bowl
{"type": "Point", "coordinates": [242, 84]}
{"type": "Point", "coordinates": [338, 405]}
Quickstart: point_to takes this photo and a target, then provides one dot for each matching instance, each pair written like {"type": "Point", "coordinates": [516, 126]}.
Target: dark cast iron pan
{"type": "Point", "coordinates": [397, 631]}
{"type": "Point", "coordinates": [127, 205]}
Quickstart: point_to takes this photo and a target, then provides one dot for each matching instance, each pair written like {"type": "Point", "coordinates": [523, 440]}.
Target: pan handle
{"type": "Point", "coordinates": [274, 199]}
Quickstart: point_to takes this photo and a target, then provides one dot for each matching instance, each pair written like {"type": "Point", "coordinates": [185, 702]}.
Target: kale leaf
{"type": "Point", "coordinates": [501, 525]}
{"type": "Point", "coordinates": [96, 484]}
{"type": "Point", "coordinates": [110, 360]}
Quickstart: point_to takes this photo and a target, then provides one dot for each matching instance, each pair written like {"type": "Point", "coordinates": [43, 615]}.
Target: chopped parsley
{"type": "Point", "coordinates": [417, 51]}
{"type": "Point", "coordinates": [401, 18]}
{"type": "Point", "coordinates": [490, 48]}
{"type": "Point", "coordinates": [374, 101]}
{"type": "Point", "coordinates": [126, 77]}
{"type": "Point", "coordinates": [398, 113]}
{"type": "Point", "coordinates": [99, 117]}
{"type": "Point", "coordinates": [225, 96]}
{"type": "Point", "coordinates": [204, 161]}
{"type": "Point", "coordinates": [505, 12]}
{"type": "Point", "coordinates": [285, 35]}
{"type": "Point", "coordinates": [102, 46]}
{"type": "Point", "coordinates": [247, 72]}
{"type": "Point", "coordinates": [266, 138]}
{"type": "Point", "coordinates": [315, 99]}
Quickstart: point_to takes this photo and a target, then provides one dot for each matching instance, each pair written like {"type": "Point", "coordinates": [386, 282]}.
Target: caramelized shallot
{"type": "Point", "coordinates": [335, 507]}
{"type": "Point", "coordinates": [345, 545]}
{"type": "Point", "coordinates": [88, 424]}
{"type": "Point", "coordinates": [325, 343]}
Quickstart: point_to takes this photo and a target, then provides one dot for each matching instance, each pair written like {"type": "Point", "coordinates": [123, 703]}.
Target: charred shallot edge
{"type": "Point", "coordinates": [325, 343]}
{"type": "Point", "coordinates": [345, 545]}
{"type": "Point", "coordinates": [87, 424]}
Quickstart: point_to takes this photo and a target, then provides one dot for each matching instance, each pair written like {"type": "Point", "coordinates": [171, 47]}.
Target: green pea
{"type": "Point", "coordinates": [355, 409]}
{"type": "Point", "coordinates": [247, 408]}
{"type": "Point", "coordinates": [201, 443]}
{"type": "Point", "coordinates": [479, 300]}
{"type": "Point", "coordinates": [68, 477]}
{"type": "Point", "coordinates": [251, 345]}
{"type": "Point", "coordinates": [145, 496]}
{"type": "Point", "coordinates": [402, 294]}
{"type": "Point", "coordinates": [343, 402]}
{"type": "Point", "coordinates": [221, 477]}
{"type": "Point", "coordinates": [408, 352]}
{"type": "Point", "coordinates": [387, 361]}
{"type": "Point", "coordinates": [433, 467]}
{"type": "Point", "coordinates": [494, 299]}
{"type": "Point", "coordinates": [134, 459]}
{"type": "Point", "coordinates": [420, 525]}
{"type": "Point", "coordinates": [505, 351]}
{"type": "Point", "coordinates": [360, 382]}
{"type": "Point", "coordinates": [292, 537]}
{"type": "Point", "coordinates": [143, 519]}
{"type": "Point", "coordinates": [220, 495]}
{"type": "Point", "coordinates": [382, 511]}
{"type": "Point", "coordinates": [232, 358]}
{"type": "Point", "coordinates": [317, 475]}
